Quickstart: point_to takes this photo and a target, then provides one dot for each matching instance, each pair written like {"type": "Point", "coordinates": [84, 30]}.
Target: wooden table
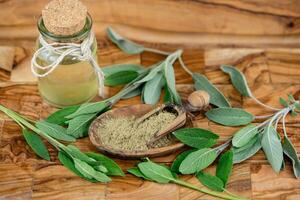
{"type": "Point", "coordinates": [260, 37]}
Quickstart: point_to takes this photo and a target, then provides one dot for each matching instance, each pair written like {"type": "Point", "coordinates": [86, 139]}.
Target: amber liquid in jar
{"type": "Point", "coordinates": [73, 81]}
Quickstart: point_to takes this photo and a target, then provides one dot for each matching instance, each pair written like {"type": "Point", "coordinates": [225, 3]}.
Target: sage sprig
{"type": "Point", "coordinates": [161, 174]}
{"type": "Point", "coordinates": [250, 139]}
{"type": "Point", "coordinates": [93, 167]}
{"type": "Point", "coordinates": [201, 82]}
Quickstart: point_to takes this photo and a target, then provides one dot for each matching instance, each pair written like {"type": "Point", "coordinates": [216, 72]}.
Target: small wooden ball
{"type": "Point", "coordinates": [198, 100]}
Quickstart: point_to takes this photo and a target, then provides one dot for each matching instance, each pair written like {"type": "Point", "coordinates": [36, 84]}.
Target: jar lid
{"type": "Point", "coordinates": [64, 17]}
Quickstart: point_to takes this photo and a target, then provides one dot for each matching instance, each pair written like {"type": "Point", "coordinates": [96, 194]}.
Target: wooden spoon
{"type": "Point", "coordinates": [138, 111]}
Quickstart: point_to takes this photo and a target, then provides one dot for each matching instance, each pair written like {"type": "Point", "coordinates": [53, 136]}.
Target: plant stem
{"type": "Point", "coordinates": [168, 53]}
{"type": "Point", "coordinates": [185, 67]}
{"type": "Point", "coordinates": [262, 104]}
{"type": "Point", "coordinates": [263, 116]}
{"type": "Point", "coordinates": [22, 122]}
{"type": "Point", "coordinates": [157, 51]}
{"type": "Point", "coordinates": [216, 194]}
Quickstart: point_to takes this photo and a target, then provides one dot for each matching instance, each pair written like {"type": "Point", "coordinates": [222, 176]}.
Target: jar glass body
{"type": "Point", "coordinates": [73, 81]}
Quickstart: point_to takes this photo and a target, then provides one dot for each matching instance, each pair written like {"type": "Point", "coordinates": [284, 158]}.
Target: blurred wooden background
{"type": "Point", "coordinates": [260, 37]}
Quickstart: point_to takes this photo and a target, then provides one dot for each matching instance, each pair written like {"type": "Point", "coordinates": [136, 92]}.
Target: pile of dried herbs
{"type": "Point", "coordinates": [124, 133]}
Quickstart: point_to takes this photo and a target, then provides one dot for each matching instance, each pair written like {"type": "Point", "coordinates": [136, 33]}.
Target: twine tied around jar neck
{"type": "Point", "coordinates": [80, 51]}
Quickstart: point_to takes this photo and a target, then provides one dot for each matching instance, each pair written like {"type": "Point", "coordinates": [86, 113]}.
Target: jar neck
{"type": "Point", "coordinates": [74, 38]}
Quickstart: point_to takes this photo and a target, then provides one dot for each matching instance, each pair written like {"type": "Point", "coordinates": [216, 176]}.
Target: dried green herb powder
{"type": "Point", "coordinates": [124, 134]}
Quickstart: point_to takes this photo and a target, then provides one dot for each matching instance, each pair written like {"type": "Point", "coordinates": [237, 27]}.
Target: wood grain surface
{"type": "Point", "coordinates": [260, 37]}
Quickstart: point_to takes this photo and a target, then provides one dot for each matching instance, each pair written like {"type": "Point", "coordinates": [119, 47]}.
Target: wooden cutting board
{"type": "Point", "coordinates": [261, 38]}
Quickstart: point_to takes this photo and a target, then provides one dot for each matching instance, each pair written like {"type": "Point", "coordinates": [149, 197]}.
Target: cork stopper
{"type": "Point", "coordinates": [64, 17]}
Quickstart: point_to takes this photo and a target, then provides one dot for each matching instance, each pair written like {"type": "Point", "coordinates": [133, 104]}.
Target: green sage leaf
{"type": "Point", "coordinates": [229, 116]}
{"type": "Point", "coordinates": [120, 78]}
{"type": "Point", "coordinates": [126, 45]}
{"type": "Point", "coordinates": [290, 151]}
{"type": "Point", "coordinates": [178, 160]}
{"type": "Point", "coordinates": [155, 172]}
{"type": "Point", "coordinates": [238, 80]}
{"type": "Point", "coordinates": [198, 160]}
{"type": "Point", "coordinates": [66, 161]}
{"type": "Point", "coordinates": [196, 137]}
{"type": "Point", "coordinates": [291, 98]}
{"type": "Point", "coordinates": [59, 117]}
{"type": "Point", "coordinates": [36, 144]}
{"type": "Point", "coordinates": [246, 146]}
{"type": "Point", "coordinates": [283, 102]}
{"type": "Point", "coordinates": [294, 113]}
{"type": "Point", "coordinates": [89, 172]}
{"type": "Point", "coordinates": [243, 153]}
{"type": "Point", "coordinates": [55, 131]}
{"type": "Point", "coordinates": [170, 75]}
{"type": "Point", "coordinates": [78, 126]}
{"type": "Point", "coordinates": [152, 74]}
{"type": "Point", "coordinates": [152, 89]}
{"type": "Point", "coordinates": [168, 98]}
{"type": "Point", "coordinates": [76, 153]}
{"type": "Point", "coordinates": [297, 106]}
{"type": "Point", "coordinates": [272, 147]}
{"type": "Point", "coordinates": [224, 166]}
{"type": "Point", "coordinates": [216, 96]}
{"type": "Point", "coordinates": [112, 69]}
{"type": "Point", "coordinates": [210, 181]}
{"type": "Point", "coordinates": [136, 172]}
{"type": "Point", "coordinates": [244, 135]}
{"type": "Point", "coordinates": [88, 108]}
{"type": "Point", "coordinates": [112, 167]}
{"type": "Point", "coordinates": [133, 93]}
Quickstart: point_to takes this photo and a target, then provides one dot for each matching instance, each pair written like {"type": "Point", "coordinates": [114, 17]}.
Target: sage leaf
{"type": "Point", "coordinates": [112, 69]}
{"type": "Point", "coordinates": [224, 166]}
{"type": "Point", "coordinates": [272, 147]}
{"type": "Point", "coordinates": [297, 106]}
{"type": "Point", "coordinates": [178, 160]}
{"type": "Point", "coordinates": [291, 98]}
{"type": "Point", "coordinates": [155, 172]}
{"type": "Point", "coordinates": [89, 172]}
{"type": "Point", "coordinates": [152, 89]}
{"type": "Point", "coordinates": [247, 151]}
{"type": "Point", "coordinates": [133, 93]}
{"type": "Point", "coordinates": [290, 151]}
{"type": "Point", "coordinates": [210, 181]}
{"type": "Point", "coordinates": [76, 153]}
{"type": "Point", "coordinates": [59, 117]}
{"type": "Point", "coordinates": [88, 108]}
{"type": "Point", "coordinates": [229, 116]}
{"type": "Point", "coordinates": [55, 131]}
{"type": "Point", "coordinates": [36, 144]}
{"type": "Point", "coordinates": [126, 45]}
{"type": "Point", "coordinates": [246, 146]}
{"type": "Point", "coordinates": [100, 168]}
{"type": "Point", "coordinates": [168, 98]}
{"type": "Point", "coordinates": [198, 160]}
{"type": "Point", "coordinates": [216, 96]}
{"type": "Point", "coordinates": [120, 78]}
{"type": "Point", "coordinates": [196, 137]}
{"type": "Point", "coordinates": [294, 113]}
{"type": "Point", "coordinates": [78, 125]}
{"type": "Point", "coordinates": [283, 102]}
{"type": "Point", "coordinates": [112, 167]}
{"type": "Point", "coordinates": [136, 172]}
{"type": "Point", "coordinates": [66, 161]}
{"type": "Point", "coordinates": [244, 135]}
{"type": "Point", "coordinates": [153, 73]}
{"type": "Point", "coordinates": [238, 80]}
{"type": "Point", "coordinates": [170, 75]}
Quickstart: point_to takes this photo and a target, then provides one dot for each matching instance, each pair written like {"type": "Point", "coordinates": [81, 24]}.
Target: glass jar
{"type": "Point", "coordinates": [73, 81]}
